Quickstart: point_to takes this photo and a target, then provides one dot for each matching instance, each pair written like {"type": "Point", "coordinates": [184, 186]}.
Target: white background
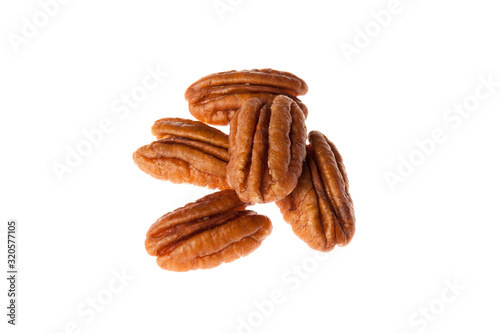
{"type": "Point", "coordinates": [440, 224]}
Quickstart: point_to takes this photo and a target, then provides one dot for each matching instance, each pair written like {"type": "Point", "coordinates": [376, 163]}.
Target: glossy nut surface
{"type": "Point", "coordinates": [267, 145]}
{"type": "Point", "coordinates": [320, 208]}
{"type": "Point", "coordinates": [206, 233]}
{"type": "Point", "coordinates": [189, 152]}
{"type": "Point", "coordinates": [215, 98]}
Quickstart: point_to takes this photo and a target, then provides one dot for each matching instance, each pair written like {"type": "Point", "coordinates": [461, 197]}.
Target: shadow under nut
{"type": "Point", "coordinates": [266, 148]}
{"type": "Point", "coordinates": [320, 209]}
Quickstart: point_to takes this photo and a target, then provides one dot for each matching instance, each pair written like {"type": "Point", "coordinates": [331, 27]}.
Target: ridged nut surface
{"type": "Point", "coordinates": [206, 233]}
{"type": "Point", "coordinates": [267, 145]}
{"type": "Point", "coordinates": [320, 208]}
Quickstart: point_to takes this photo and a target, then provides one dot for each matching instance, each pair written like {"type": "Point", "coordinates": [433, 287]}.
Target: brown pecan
{"type": "Point", "coordinates": [190, 129]}
{"type": "Point", "coordinates": [263, 77]}
{"type": "Point", "coordinates": [189, 152]}
{"type": "Point", "coordinates": [267, 144]}
{"type": "Point", "coordinates": [215, 98]}
{"type": "Point", "coordinates": [320, 209]}
{"type": "Point", "coordinates": [206, 233]}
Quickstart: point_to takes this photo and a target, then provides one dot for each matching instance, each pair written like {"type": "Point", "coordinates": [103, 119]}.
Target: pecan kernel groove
{"type": "Point", "coordinates": [266, 149]}
{"type": "Point", "coordinates": [320, 208]}
{"type": "Point", "coordinates": [215, 98]}
{"type": "Point", "coordinates": [206, 233]}
{"type": "Point", "coordinates": [189, 152]}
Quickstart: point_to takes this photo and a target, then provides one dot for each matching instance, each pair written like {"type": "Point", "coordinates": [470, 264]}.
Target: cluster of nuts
{"type": "Point", "coordinates": [265, 158]}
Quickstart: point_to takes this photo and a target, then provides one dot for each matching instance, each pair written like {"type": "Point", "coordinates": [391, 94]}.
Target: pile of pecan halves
{"type": "Point", "coordinates": [266, 158]}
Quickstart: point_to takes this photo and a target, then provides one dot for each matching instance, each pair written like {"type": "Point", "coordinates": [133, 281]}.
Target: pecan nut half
{"type": "Point", "coordinates": [206, 233]}
{"type": "Point", "coordinates": [189, 152]}
{"type": "Point", "coordinates": [267, 145]}
{"type": "Point", "coordinates": [215, 98]}
{"type": "Point", "coordinates": [320, 209]}
{"type": "Point", "coordinates": [190, 129]}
